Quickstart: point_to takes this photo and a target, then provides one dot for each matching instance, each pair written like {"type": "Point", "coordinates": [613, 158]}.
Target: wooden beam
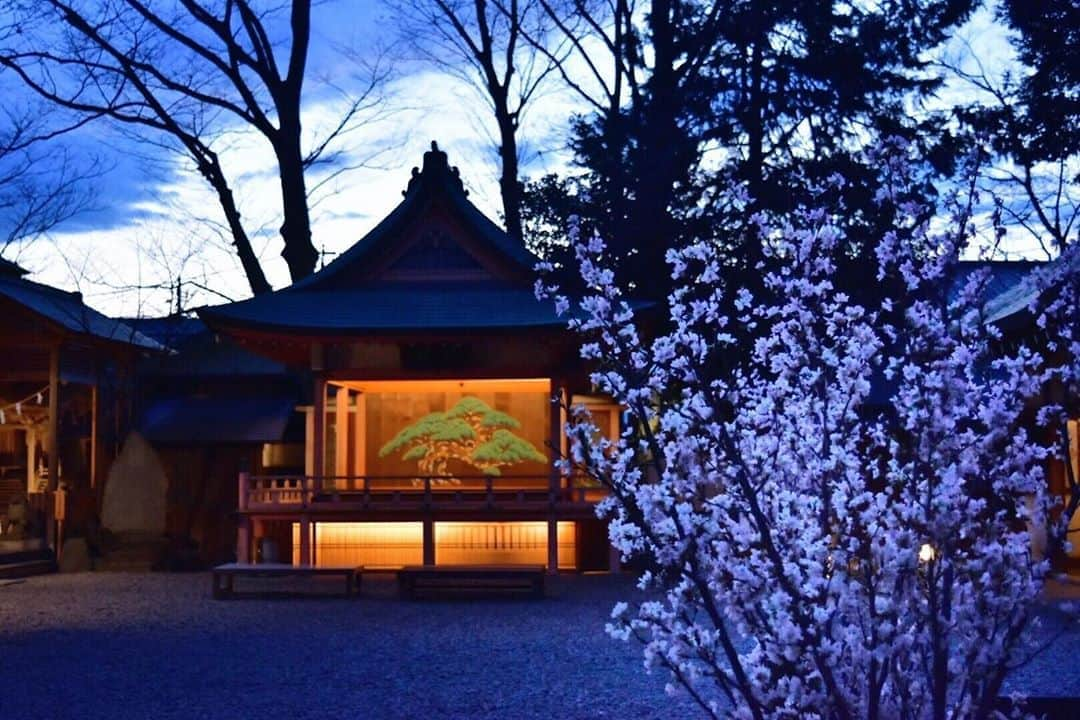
{"type": "Point", "coordinates": [459, 385]}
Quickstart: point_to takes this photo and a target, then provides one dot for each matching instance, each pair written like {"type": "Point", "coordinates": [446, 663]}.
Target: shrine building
{"type": "Point", "coordinates": [437, 385]}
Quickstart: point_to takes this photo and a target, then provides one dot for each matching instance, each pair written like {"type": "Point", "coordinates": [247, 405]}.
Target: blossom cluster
{"type": "Point", "coordinates": [838, 504]}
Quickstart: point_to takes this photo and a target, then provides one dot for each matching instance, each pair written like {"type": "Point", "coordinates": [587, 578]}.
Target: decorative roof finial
{"type": "Point", "coordinates": [436, 169]}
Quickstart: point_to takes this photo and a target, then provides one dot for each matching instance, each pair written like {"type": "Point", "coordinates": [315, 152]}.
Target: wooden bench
{"type": "Point", "coordinates": [224, 577]}
{"type": "Point", "coordinates": [520, 580]}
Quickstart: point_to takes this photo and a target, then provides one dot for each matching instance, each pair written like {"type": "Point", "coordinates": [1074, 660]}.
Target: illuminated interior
{"type": "Point", "coordinates": [363, 417]}
{"type": "Point", "coordinates": [501, 543]}
{"type": "Point", "coordinates": [456, 543]}
{"type": "Point", "coordinates": [371, 544]}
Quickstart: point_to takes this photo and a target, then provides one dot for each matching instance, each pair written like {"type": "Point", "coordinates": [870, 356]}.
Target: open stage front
{"type": "Point", "coordinates": [407, 472]}
{"type": "Point", "coordinates": [436, 390]}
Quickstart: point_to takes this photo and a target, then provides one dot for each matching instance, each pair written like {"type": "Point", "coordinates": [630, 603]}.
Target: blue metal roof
{"type": "Point", "coordinates": [218, 420]}
{"type": "Point", "coordinates": [334, 301]}
{"type": "Point", "coordinates": [68, 310]}
{"type": "Point", "coordinates": [400, 307]}
{"type": "Point", "coordinates": [1009, 290]}
{"type": "Point", "coordinates": [199, 351]}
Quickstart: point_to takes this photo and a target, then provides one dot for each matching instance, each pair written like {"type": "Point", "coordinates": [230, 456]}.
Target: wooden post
{"type": "Point", "coordinates": [318, 439]}
{"type": "Point", "coordinates": [243, 523]}
{"type": "Point", "coordinates": [305, 539]}
{"type": "Point", "coordinates": [243, 539]}
{"type": "Point", "coordinates": [429, 540]}
{"type": "Point", "coordinates": [54, 416]}
{"type": "Point", "coordinates": [54, 444]}
{"type": "Point", "coordinates": [93, 435]}
{"type": "Point", "coordinates": [555, 437]}
{"type": "Point", "coordinates": [360, 436]}
{"type": "Point", "coordinates": [341, 432]}
{"type": "Point", "coordinates": [553, 546]}
{"type": "Point", "coordinates": [59, 513]}
{"type": "Point", "coordinates": [242, 485]}
{"type": "Point", "coordinates": [309, 442]}
{"type": "Point", "coordinates": [31, 461]}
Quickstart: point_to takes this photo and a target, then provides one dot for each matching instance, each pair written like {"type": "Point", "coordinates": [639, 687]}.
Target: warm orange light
{"type": "Point", "coordinates": [392, 544]}
{"type": "Point", "coordinates": [501, 543]}
{"type": "Point", "coordinates": [371, 544]}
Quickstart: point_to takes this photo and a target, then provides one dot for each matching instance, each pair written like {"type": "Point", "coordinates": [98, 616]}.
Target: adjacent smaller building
{"type": "Point", "coordinates": [65, 405]}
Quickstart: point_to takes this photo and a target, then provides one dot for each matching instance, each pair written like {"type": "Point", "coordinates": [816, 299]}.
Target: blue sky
{"type": "Point", "coordinates": [155, 220]}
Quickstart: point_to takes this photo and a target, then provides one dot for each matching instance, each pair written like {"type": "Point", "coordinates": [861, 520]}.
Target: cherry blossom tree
{"type": "Point", "coordinates": [838, 502]}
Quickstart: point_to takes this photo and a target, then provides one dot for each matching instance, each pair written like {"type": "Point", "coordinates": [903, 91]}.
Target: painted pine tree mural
{"type": "Point", "coordinates": [472, 432]}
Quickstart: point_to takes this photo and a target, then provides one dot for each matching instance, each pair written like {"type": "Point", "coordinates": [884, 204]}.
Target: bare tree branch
{"type": "Point", "coordinates": [192, 72]}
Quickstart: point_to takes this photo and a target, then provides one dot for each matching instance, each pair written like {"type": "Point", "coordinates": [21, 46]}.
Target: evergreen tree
{"type": "Point", "coordinates": [774, 97]}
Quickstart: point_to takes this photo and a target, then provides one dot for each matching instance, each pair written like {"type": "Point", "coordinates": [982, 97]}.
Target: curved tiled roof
{"type": "Point", "coordinates": [399, 307]}
{"type": "Point", "coordinates": [436, 178]}
{"type": "Point", "coordinates": [68, 310]}
{"type": "Point", "coordinates": [333, 301]}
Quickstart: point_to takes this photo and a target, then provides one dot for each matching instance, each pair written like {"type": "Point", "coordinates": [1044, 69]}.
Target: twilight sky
{"type": "Point", "coordinates": [155, 220]}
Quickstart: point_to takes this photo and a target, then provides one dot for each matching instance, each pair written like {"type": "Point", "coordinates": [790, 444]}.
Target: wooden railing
{"type": "Point", "coordinates": [267, 492]}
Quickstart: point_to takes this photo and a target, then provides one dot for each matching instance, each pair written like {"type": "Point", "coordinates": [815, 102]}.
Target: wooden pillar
{"type": "Point", "coordinates": [429, 540]}
{"type": "Point", "coordinates": [305, 539]}
{"type": "Point", "coordinates": [318, 438]}
{"type": "Point", "coordinates": [555, 437]}
{"type": "Point", "coordinates": [31, 461]}
{"type": "Point", "coordinates": [341, 432]}
{"type": "Point", "coordinates": [54, 416]}
{"type": "Point", "coordinates": [360, 436]}
{"type": "Point", "coordinates": [243, 524]}
{"type": "Point", "coordinates": [553, 546]}
{"type": "Point", "coordinates": [54, 441]}
{"type": "Point", "coordinates": [243, 540]}
{"type": "Point", "coordinates": [309, 442]}
{"type": "Point", "coordinates": [93, 435]}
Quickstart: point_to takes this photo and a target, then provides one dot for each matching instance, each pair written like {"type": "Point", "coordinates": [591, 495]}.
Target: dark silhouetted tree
{"type": "Point", "coordinates": [185, 75]}
{"type": "Point", "coordinates": [1026, 122]}
{"type": "Point", "coordinates": [773, 97]}
{"type": "Point", "coordinates": [483, 43]}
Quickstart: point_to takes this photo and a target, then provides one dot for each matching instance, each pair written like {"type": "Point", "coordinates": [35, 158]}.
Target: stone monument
{"type": "Point", "coordinates": [135, 491]}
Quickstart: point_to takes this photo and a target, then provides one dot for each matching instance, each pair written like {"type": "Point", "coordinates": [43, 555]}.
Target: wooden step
{"type": "Point", "coordinates": [25, 564]}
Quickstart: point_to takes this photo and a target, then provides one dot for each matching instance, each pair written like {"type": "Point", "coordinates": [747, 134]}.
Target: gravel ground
{"type": "Point", "coordinates": [126, 646]}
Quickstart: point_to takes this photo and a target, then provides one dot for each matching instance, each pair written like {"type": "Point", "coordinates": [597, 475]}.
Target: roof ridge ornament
{"type": "Point", "coordinates": [436, 169]}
